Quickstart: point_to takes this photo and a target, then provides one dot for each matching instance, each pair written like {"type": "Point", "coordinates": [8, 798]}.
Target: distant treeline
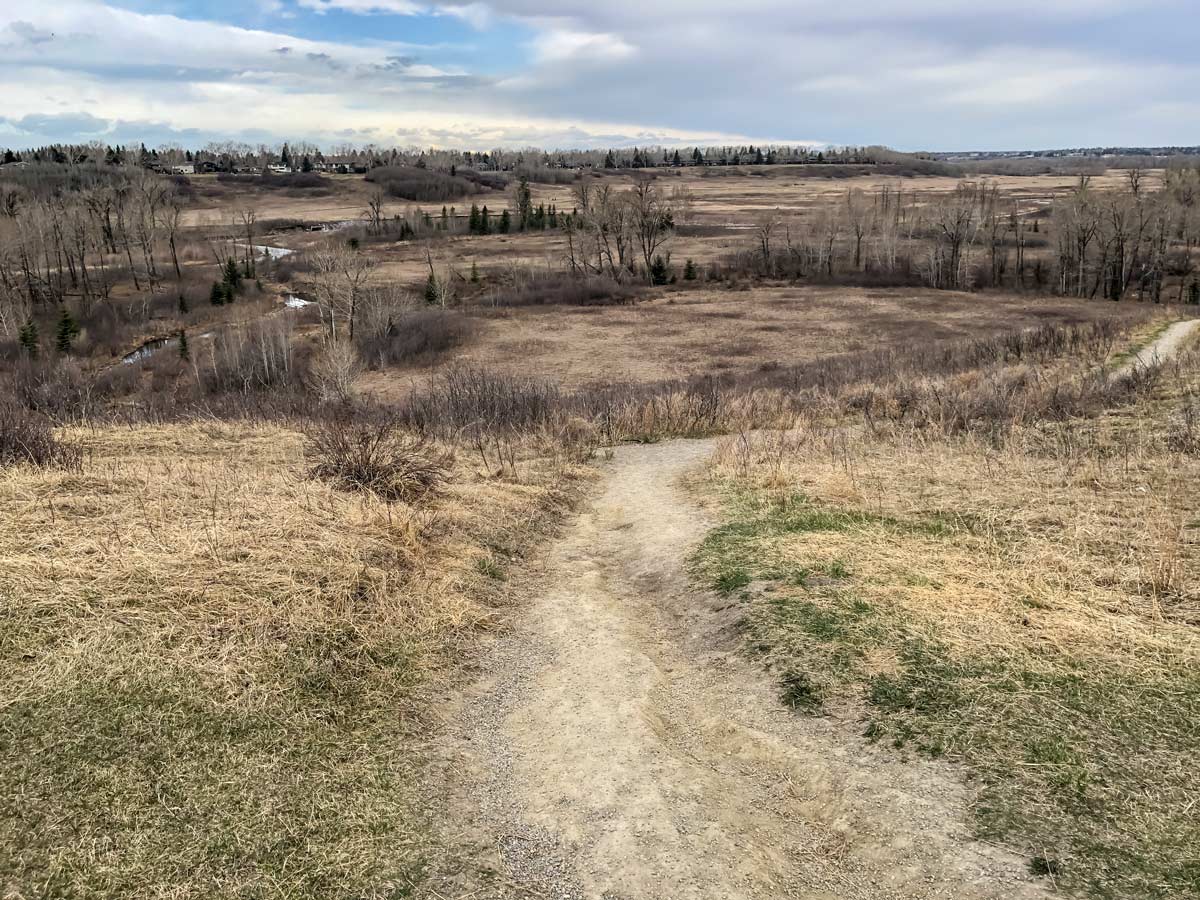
{"type": "Point", "coordinates": [1069, 153]}
{"type": "Point", "coordinates": [301, 157]}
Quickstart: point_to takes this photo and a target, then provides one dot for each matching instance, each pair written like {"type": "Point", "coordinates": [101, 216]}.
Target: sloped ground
{"type": "Point", "coordinates": [618, 746]}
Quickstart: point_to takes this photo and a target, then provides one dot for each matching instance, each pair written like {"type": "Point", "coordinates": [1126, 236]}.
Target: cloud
{"type": "Point", "coordinates": [923, 73]}
{"type": "Point", "coordinates": [51, 127]}
{"type": "Point", "coordinates": [28, 33]}
{"type": "Point", "coordinates": [561, 45]}
{"type": "Point", "coordinates": [364, 7]}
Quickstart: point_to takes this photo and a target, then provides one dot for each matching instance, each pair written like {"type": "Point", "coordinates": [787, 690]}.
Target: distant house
{"type": "Point", "coordinates": [276, 169]}
{"type": "Point", "coordinates": [184, 169]}
{"type": "Point", "coordinates": [341, 165]}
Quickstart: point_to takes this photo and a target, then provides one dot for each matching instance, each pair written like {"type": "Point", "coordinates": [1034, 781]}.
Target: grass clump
{"type": "Point", "coordinates": [377, 457]}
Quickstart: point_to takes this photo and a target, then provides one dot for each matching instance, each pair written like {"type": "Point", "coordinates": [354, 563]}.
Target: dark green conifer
{"type": "Point", "coordinates": [65, 332]}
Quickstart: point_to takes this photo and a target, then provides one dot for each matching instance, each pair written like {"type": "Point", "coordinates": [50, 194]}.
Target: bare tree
{"type": "Point", "coordinates": [374, 213]}
{"type": "Point", "coordinates": [764, 228]}
{"type": "Point", "coordinates": [652, 219]}
{"type": "Point", "coordinates": [247, 218]}
{"type": "Point", "coordinates": [858, 218]}
{"type": "Point", "coordinates": [340, 274]}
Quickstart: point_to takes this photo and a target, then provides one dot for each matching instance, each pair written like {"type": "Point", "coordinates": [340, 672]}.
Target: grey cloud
{"type": "Point", "coordinates": [28, 33]}
{"type": "Point", "coordinates": [54, 127]}
{"type": "Point", "coordinates": [324, 59]}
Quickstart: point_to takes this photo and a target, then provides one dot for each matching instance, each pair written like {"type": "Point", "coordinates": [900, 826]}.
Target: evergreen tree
{"type": "Point", "coordinates": [285, 157]}
{"type": "Point", "coordinates": [485, 223]}
{"type": "Point", "coordinates": [524, 203]}
{"type": "Point", "coordinates": [610, 161]}
{"type": "Point", "coordinates": [689, 271]}
{"type": "Point", "coordinates": [432, 291]}
{"type": "Point", "coordinates": [233, 275]}
{"type": "Point", "coordinates": [474, 273]}
{"type": "Point", "coordinates": [758, 157]}
{"type": "Point", "coordinates": [183, 305]}
{"type": "Point", "coordinates": [1194, 292]}
{"type": "Point", "coordinates": [677, 162]}
{"type": "Point", "coordinates": [184, 353]}
{"type": "Point", "coordinates": [306, 164]}
{"type": "Point", "coordinates": [217, 295]}
{"type": "Point", "coordinates": [445, 226]}
{"type": "Point", "coordinates": [28, 338]}
{"type": "Point", "coordinates": [660, 272]}
{"type": "Point", "coordinates": [505, 222]}
{"type": "Point", "coordinates": [9, 157]}
{"type": "Point", "coordinates": [473, 220]}
{"type": "Point", "coordinates": [697, 157]}
{"type": "Point", "coordinates": [65, 332]}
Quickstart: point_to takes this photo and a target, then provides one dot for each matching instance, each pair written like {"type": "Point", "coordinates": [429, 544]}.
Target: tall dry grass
{"type": "Point", "coordinates": [1020, 592]}
{"type": "Point", "coordinates": [212, 664]}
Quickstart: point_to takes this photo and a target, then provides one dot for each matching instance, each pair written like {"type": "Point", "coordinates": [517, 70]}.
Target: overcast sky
{"type": "Point", "coordinates": [477, 74]}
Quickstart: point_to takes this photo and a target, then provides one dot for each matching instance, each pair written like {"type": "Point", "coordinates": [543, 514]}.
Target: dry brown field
{"type": "Point", "coordinates": [712, 331]}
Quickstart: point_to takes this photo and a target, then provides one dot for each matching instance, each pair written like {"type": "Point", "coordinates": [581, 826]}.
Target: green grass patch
{"type": "Point", "coordinates": [1093, 770]}
{"type": "Point", "coordinates": [489, 568]}
{"type": "Point", "coordinates": [151, 783]}
{"type": "Point", "coordinates": [1124, 356]}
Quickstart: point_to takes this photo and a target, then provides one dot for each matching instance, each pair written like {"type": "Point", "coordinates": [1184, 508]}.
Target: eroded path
{"type": "Point", "coordinates": [618, 746]}
{"type": "Point", "coordinates": [1164, 347]}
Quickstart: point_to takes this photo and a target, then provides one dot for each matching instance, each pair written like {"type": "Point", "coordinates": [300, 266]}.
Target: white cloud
{"type": "Point", "coordinates": [922, 72]}
{"type": "Point", "coordinates": [562, 45]}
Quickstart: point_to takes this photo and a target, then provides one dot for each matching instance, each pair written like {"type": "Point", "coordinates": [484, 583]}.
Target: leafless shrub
{"type": "Point", "coordinates": [414, 335]}
{"type": "Point", "coordinates": [465, 397]}
{"type": "Point", "coordinates": [422, 185]}
{"type": "Point", "coordinates": [333, 372]}
{"type": "Point", "coordinates": [57, 388]}
{"type": "Point", "coordinates": [560, 288]}
{"type": "Point", "coordinates": [28, 438]}
{"type": "Point", "coordinates": [250, 358]}
{"type": "Point", "coordinates": [376, 457]}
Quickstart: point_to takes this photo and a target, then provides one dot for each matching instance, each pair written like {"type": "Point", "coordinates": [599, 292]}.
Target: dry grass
{"type": "Point", "coordinates": [1028, 608]}
{"type": "Point", "coordinates": [211, 663]}
{"type": "Point", "coordinates": [710, 331]}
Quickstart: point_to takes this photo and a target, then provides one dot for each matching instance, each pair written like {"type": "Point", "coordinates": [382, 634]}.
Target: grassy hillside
{"type": "Point", "coordinates": [1012, 588]}
{"type": "Point", "coordinates": [211, 662]}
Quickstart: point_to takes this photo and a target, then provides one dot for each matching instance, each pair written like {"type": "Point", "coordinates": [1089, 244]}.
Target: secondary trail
{"type": "Point", "coordinates": [618, 745]}
{"type": "Point", "coordinates": [1163, 347]}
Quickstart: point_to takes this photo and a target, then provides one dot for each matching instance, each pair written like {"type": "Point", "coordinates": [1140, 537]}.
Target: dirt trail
{"type": "Point", "coordinates": [1162, 347]}
{"type": "Point", "coordinates": [618, 746]}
